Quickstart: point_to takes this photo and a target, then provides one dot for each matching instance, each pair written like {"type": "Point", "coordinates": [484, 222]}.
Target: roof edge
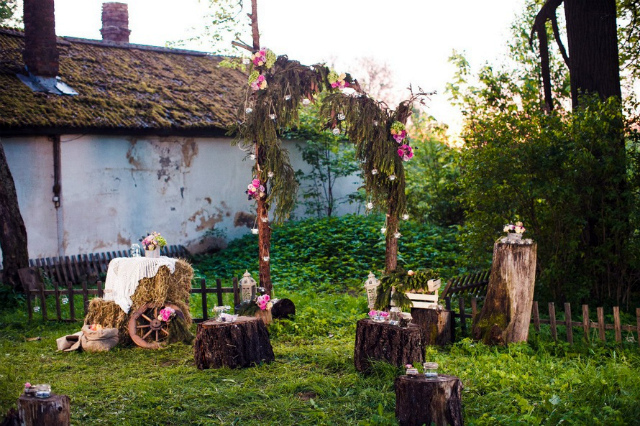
{"type": "Point", "coordinates": [125, 131]}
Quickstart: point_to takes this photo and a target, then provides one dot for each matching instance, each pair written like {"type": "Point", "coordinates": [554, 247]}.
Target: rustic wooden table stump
{"type": "Point", "coordinates": [52, 411]}
{"type": "Point", "coordinates": [506, 314]}
{"type": "Point", "coordinates": [384, 342]}
{"type": "Point", "coordinates": [421, 400]}
{"type": "Point", "coordinates": [436, 324]}
{"type": "Point", "coordinates": [242, 343]}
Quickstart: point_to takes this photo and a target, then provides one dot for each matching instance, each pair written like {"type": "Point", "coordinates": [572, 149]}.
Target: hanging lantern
{"type": "Point", "coordinates": [247, 287]}
{"type": "Point", "coordinates": [371, 287]}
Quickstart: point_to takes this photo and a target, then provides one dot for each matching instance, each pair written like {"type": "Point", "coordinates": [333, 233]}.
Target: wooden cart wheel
{"type": "Point", "coordinates": [146, 330]}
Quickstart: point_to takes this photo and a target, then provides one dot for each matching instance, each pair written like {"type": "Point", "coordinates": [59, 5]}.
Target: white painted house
{"type": "Point", "coordinates": [107, 140]}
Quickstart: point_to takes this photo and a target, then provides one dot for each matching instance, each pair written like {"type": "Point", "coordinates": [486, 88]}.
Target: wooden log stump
{"type": "Point", "coordinates": [239, 344]}
{"type": "Point", "coordinates": [506, 313]}
{"type": "Point", "coordinates": [283, 309]}
{"type": "Point", "coordinates": [384, 342]}
{"type": "Point", "coordinates": [436, 324]}
{"type": "Point", "coordinates": [421, 400]}
{"type": "Point", "coordinates": [52, 411]}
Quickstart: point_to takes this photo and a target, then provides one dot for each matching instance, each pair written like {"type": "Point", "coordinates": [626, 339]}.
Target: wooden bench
{"type": "Point", "coordinates": [472, 286]}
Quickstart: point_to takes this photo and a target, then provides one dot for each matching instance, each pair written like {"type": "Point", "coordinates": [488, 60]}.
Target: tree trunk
{"type": "Point", "coordinates": [421, 400]}
{"type": "Point", "coordinates": [436, 324]}
{"type": "Point", "coordinates": [592, 40]}
{"type": "Point", "coordinates": [384, 342]}
{"type": "Point", "coordinates": [235, 345]}
{"type": "Point", "coordinates": [506, 313]}
{"type": "Point", "coordinates": [13, 234]}
{"type": "Point", "coordinates": [391, 253]}
{"type": "Point", "coordinates": [52, 411]}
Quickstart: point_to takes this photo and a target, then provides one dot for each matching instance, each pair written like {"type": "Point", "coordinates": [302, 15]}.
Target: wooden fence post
{"type": "Point", "coordinates": [638, 324]}
{"type": "Point", "coordinates": [601, 324]}
{"type": "Point", "coordinates": [567, 321]}
{"type": "Point", "coordinates": [552, 321]}
{"type": "Point", "coordinates": [463, 318]}
{"type": "Point", "coordinates": [203, 286]}
{"type": "Point", "coordinates": [536, 316]}
{"type": "Point", "coordinates": [616, 324]}
{"type": "Point", "coordinates": [586, 324]}
{"type": "Point", "coordinates": [219, 291]}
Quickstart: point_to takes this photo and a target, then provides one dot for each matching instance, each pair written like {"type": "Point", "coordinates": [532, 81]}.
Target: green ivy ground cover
{"type": "Point", "coordinates": [335, 254]}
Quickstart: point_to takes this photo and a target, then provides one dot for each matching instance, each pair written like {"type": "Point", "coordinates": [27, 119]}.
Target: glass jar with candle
{"type": "Point", "coordinates": [430, 369]}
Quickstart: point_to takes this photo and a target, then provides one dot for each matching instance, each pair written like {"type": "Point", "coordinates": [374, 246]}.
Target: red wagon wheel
{"type": "Point", "coordinates": [146, 330]}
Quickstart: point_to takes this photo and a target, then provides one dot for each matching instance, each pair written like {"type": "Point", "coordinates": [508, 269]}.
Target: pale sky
{"type": "Point", "coordinates": [414, 37]}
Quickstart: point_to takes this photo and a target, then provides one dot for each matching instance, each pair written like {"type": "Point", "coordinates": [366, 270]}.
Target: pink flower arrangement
{"type": "Point", "coordinates": [260, 83]}
{"type": "Point", "coordinates": [153, 241]}
{"type": "Point", "coordinates": [255, 190]}
{"type": "Point", "coordinates": [374, 313]}
{"type": "Point", "coordinates": [259, 58]}
{"type": "Point", "coordinates": [263, 301]}
{"type": "Point", "coordinates": [337, 81]}
{"type": "Point", "coordinates": [398, 131]}
{"type": "Point", "coordinates": [166, 314]}
{"type": "Point", "coordinates": [405, 152]}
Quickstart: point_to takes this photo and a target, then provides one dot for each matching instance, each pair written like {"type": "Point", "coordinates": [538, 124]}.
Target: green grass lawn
{"type": "Point", "coordinates": [313, 380]}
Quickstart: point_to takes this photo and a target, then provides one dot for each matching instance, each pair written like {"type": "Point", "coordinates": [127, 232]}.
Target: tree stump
{"type": "Point", "coordinates": [239, 344]}
{"type": "Point", "coordinates": [436, 324]}
{"type": "Point", "coordinates": [506, 313]}
{"type": "Point", "coordinates": [421, 400]}
{"type": "Point", "coordinates": [384, 342]}
{"type": "Point", "coordinates": [52, 411]}
{"type": "Point", "coordinates": [283, 309]}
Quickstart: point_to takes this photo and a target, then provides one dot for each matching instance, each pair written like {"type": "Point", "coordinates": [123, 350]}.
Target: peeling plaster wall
{"type": "Point", "coordinates": [116, 189]}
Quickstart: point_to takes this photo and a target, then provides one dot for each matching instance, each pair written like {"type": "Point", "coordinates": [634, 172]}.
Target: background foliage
{"type": "Point", "coordinates": [336, 254]}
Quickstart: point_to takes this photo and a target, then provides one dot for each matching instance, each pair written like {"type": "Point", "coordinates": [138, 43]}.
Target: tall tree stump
{"type": "Point", "coordinates": [436, 324]}
{"type": "Point", "coordinates": [52, 411]}
{"type": "Point", "coordinates": [239, 344]}
{"type": "Point", "coordinates": [421, 400]}
{"type": "Point", "coordinates": [384, 342]}
{"type": "Point", "coordinates": [506, 313]}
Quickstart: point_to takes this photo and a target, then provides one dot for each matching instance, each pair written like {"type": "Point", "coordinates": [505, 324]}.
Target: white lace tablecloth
{"type": "Point", "coordinates": [124, 273]}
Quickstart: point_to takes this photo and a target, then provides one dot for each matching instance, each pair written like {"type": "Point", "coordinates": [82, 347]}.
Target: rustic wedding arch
{"type": "Point", "coordinates": [276, 89]}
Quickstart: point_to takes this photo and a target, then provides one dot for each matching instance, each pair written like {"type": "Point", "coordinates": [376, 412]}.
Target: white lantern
{"type": "Point", "coordinates": [247, 287]}
{"type": "Point", "coordinates": [371, 287]}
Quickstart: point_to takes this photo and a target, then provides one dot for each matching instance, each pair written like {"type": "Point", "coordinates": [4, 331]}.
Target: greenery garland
{"type": "Point", "coordinates": [394, 286]}
{"type": "Point", "coordinates": [276, 89]}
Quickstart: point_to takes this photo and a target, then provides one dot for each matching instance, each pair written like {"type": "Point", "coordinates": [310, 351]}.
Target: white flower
{"type": "Point", "coordinates": [369, 205]}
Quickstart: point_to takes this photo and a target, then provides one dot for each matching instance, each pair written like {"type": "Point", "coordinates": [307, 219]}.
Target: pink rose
{"type": "Point", "coordinates": [256, 183]}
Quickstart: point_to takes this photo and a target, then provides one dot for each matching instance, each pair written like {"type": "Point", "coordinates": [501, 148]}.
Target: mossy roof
{"type": "Point", "coordinates": [129, 89]}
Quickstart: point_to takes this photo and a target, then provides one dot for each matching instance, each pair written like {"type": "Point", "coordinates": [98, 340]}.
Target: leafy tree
{"type": "Point", "coordinates": [527, 158]}
{"type": "Point", "coordinates": [8, 9]}
{"type": "Point", "coordinates": [330, 156]}
{"type": "Point", "coordinates": [432, 174]}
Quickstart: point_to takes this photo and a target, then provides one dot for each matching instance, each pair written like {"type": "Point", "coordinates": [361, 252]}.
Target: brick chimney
{"type": "Point", "coordinates": [40, 52]}
{"type": "Point", "coordinates": [115, 22]}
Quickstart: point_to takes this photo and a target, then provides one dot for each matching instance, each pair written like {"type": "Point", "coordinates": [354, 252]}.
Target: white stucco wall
{"type": "Point", "coordinates": [116, 189]}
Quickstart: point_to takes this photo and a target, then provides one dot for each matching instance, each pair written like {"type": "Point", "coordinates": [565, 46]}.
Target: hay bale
{"type": "Point", "coordinates": [159, 289]}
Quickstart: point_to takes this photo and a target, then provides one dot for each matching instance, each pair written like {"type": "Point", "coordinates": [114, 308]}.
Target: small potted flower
{"type": "Point", "coordinates": [514, 232]}
{"type": "Point", "coordinates": [152, 244]}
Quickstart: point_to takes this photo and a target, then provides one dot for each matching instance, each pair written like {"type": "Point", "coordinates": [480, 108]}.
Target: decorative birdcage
{"type": "Point", "coordinates": [247, 287]}
{"type": "Point", "coordinates": [371, 287]}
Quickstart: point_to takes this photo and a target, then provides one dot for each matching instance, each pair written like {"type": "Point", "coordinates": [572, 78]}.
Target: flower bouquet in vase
{"type": "Point", "coordinates": [152, 244]}
{"type": "Point", "coordinates": [514, 232]}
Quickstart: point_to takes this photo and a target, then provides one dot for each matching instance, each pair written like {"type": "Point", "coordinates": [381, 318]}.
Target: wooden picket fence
{"type": "Point", "coordinates": [586, 324]}
{"type": "Point", "coordinates": [66, 295]}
